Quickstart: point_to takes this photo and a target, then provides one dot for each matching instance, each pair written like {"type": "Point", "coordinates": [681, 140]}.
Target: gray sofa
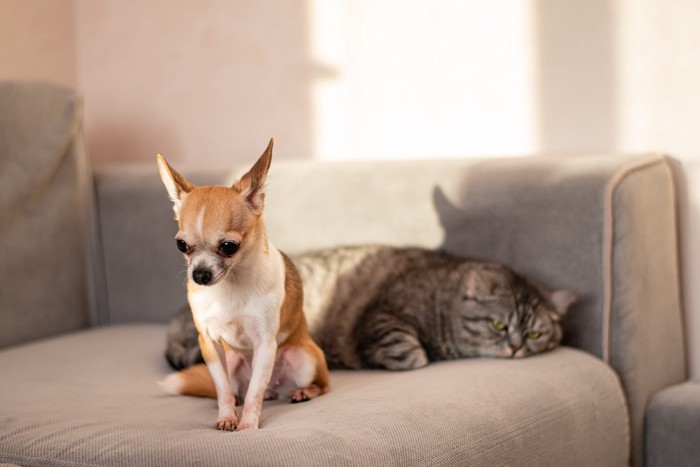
{"type": "Point", "coordinates": [89, 276]}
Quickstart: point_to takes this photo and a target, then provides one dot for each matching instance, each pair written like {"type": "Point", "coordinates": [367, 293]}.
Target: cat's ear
{"type": "Point", "coordinates": [477, 284]}
{"type": "Point", "coordinates": [562, 300]}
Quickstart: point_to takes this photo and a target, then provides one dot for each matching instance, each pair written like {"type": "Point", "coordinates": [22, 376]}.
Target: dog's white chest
{"type": "Point", "coordinates": [241, 320]}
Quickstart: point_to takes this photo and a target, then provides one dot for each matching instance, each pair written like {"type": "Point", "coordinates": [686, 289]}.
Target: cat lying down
{"type": "Point", "coordinates": [401, 308]}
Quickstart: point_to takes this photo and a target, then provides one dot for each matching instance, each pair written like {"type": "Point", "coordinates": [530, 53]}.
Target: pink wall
{"type": "Point", "coordinates": [37, 41]}
{"type": "Point", "coordinates": [209, 80]}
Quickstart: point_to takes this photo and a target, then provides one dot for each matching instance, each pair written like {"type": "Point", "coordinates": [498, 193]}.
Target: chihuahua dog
{"type": "Point", "coordinates": [246, 299]}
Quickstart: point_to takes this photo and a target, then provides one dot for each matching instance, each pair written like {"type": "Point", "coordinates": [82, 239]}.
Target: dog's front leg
{"type": "Point", "coordinates": [263, 363]}
{"type": "Point", "coordinates": [214, 355]}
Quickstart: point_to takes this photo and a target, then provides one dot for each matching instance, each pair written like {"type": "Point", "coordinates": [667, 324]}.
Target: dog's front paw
{"type": "Point", "coordinates": [226, 424]}
{"type": "Point", "coordinates": [247, 426]}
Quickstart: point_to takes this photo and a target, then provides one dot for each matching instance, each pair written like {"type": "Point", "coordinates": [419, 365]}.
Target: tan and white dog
{"type": "Point", "coordinates": [246, 299]}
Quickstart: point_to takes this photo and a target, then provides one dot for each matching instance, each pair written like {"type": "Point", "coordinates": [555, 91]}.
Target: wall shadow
{"type": "Point", "coordinates": [543, 232]}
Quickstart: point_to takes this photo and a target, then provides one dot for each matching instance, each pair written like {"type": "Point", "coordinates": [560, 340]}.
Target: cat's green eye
{"type": "Point", "coordinates": [534, 335]}
{"type": "Point", "coordinates": [498, 325]}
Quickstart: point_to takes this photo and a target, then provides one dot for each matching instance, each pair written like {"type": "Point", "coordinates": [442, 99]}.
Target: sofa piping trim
{"type": "Point", "coordinates": [608, 239]}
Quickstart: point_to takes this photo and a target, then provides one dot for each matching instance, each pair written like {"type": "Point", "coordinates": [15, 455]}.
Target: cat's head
{"type": "Point", "coordinates": [501, 314]}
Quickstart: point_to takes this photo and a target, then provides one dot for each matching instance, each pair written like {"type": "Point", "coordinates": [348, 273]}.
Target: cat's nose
{"type": "Point", "coordinates": [514, 347]}
{"type": "Point", "coordinates": [515, 342]}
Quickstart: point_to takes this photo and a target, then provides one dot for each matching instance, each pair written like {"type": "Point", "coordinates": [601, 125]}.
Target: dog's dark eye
{"type": "Point", "coordinates": [229, 248]}
{"type": "Point", "coordinates": [182, 245]}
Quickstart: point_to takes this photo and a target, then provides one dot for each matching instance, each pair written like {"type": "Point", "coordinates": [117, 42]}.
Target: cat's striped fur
{"type": "Point", "coordinates": [400, 308]}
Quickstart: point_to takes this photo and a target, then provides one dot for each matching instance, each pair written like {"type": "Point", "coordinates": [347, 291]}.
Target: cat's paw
{"type": "Point", "coordinates": [419, 360]}
{"type": "Point", "coordinates": [403, 355]}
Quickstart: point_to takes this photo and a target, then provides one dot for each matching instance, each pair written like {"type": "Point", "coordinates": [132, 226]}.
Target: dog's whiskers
{"type": "Point", "coordinates": [184, 281]}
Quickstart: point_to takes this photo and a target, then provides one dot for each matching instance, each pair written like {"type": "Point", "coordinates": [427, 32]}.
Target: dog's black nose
{"type": "Point", "coordinates": [201, 276]}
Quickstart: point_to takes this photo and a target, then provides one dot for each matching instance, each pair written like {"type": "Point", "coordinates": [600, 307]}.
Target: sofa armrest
{"type": "Point", "coordinates": [643, 335]}
{"type": "Point", "coordinates": [672, 427]}
{"type": "Point", "coordinates": [43, 226]}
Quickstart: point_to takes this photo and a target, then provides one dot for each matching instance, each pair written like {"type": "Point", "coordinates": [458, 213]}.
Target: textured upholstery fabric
{"type": "Point", "coordinates": [43, 288]}
{"type": "Point", "coordinates": [601, 224]}
{"type": "Point", "coordinates": [91, 399]}
{"type": "Point", "coordinates": [673, 427]}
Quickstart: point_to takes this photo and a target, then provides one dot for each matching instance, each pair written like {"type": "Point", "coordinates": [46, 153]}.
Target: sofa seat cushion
{"type": "Point", "coordinates": [91, 398]}
{"type": "Point", "coordinates": [673, 426]}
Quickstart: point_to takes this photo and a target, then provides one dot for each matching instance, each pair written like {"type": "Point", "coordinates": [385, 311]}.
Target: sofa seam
{"type": "Point", "coordinates": [95, 281]}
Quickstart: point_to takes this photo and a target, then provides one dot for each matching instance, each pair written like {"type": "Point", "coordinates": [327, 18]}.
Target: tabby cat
{"type": "Point", "coordinates": [400, 308]}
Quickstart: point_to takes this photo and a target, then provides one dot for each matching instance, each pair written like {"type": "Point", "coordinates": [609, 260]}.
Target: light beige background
{"type": "Point", "coordinates": [208, 82]}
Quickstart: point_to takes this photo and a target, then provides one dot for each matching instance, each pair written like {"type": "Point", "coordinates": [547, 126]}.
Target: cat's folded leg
{"type": "Point", "coordinates": [386, 341]}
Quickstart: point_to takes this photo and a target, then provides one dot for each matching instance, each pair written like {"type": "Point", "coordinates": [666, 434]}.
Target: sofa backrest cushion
{"type": "Point", "coordinates": [544, 216]}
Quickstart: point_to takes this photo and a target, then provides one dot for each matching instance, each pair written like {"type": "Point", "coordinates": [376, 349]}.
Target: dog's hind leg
{"type": "Point", "coordinates": [307, 365]}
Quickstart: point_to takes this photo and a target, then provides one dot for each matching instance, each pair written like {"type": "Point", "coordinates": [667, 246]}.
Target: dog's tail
{"type": "Point", "coordinates": [192, 381]}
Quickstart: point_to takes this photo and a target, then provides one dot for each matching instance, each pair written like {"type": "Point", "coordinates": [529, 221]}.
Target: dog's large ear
{"type": "Point", "coordinates": [176, 184]}
{"type": "Point", "coordinates": [252, 185]}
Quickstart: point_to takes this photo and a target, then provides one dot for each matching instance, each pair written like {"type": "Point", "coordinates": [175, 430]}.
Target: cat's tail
{"type": "Point", "coordinates": [182, 343]}
{"type": "Point", "coordinates": [180, 356]}
{"type": "Point", "coordinates": [192, 381]}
